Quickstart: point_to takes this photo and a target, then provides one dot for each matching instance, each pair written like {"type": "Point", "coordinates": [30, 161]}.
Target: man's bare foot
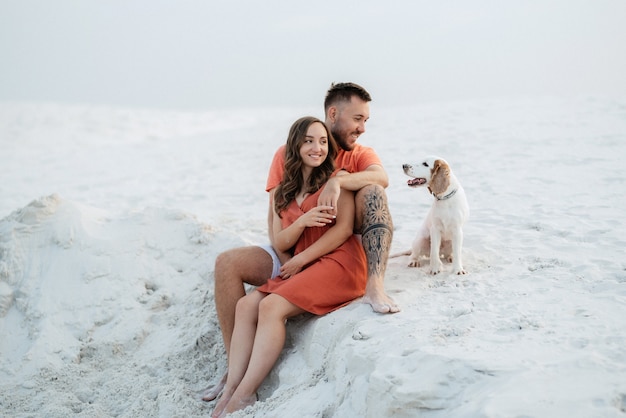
{"type": "Point", "coordinates": [380, 302]}
{"type": "Point", "coordinates": [213, 392]}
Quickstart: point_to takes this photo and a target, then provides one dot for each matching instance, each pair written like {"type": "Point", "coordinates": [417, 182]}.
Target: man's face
{"type": "Point", "coordinates": [347, 123]}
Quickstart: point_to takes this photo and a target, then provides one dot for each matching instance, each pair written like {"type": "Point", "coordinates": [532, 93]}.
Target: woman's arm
{"type": "Point", "coordinates": [282, 255]}
{"type": "Point", "coordinates": [284, 239]}
{"type": "Point", "coordinates": [333, 238]}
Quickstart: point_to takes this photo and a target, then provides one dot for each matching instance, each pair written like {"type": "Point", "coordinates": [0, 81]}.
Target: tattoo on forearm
{"type": "Point", "coordinates": [377, 232]}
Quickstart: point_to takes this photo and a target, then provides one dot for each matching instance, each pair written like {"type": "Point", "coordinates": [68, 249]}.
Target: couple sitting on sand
{"type": "Point", "coordinates": [323, 188]}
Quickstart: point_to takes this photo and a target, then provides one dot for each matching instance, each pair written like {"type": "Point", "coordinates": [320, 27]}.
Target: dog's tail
{"type": "Point", "coordinates": [407, 252]}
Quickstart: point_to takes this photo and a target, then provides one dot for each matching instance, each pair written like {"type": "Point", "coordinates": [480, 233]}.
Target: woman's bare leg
{"type": "Point", "coordinates": [268, 344]}
{"type": "Point", "coordinates": [247, 315]}
{"type": "Point", "coordinates": [233, 268]}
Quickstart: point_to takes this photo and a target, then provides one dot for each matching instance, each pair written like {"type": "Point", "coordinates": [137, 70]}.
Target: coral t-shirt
{"type": "Point", "coordinates": [353, 161]}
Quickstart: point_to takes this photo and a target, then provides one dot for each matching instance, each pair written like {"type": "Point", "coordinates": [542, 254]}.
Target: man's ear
{"type": "Point", "coordinates": [331, 115]}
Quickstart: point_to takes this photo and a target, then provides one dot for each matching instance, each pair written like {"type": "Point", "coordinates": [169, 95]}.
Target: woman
{"type": "Point", "coordinates": [327, 271]}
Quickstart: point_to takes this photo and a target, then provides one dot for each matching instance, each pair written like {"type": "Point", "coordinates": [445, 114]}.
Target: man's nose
{"type": "Point", "coordinates": [361, 128]}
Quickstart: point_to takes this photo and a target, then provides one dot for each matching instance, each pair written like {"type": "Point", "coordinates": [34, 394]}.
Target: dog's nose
{"type": "Point", "coordinates": [406, 166]}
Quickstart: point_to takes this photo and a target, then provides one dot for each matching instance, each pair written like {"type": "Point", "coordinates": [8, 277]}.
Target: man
{"type": "Point", "coordinates": [347, 109]}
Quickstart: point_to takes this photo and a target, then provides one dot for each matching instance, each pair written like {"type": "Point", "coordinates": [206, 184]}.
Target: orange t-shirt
{"type": "Point", "coordinates": [353, 161]}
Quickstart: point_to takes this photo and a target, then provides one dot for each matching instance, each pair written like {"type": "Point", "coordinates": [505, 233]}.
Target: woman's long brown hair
{"type": "Point", "coordinates": [293, 181]}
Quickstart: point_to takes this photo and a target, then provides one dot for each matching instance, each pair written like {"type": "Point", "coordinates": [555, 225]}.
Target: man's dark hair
{"type": "Point", "coordinates": [340, 92]}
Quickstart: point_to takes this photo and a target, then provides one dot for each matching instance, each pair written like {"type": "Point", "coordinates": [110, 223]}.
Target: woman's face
{"type": "Point", "coordinates": [314, 149]}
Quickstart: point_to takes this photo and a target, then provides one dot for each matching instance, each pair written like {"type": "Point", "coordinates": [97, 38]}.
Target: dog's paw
{"type": "Point", "coordinates": [435, 267]}
{"type": "Point", "coordinates": [459, 270]}
{"type": "Point", "coordinates": [414, 263]}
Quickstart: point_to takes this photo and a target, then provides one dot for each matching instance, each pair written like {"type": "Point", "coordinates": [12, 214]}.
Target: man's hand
{"type": "Point", "coordinates": [330, 195]}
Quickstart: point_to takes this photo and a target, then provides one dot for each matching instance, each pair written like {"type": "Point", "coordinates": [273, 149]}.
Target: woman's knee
{"type": "Point", "coordinates": [276, 307]}
{"type": "Point", "coordinates": [248, 306]}
{"type": "Point", "coordinates": [266, 307]}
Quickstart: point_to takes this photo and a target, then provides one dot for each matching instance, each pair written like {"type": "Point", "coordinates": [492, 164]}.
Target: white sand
{"type": "Point", "coordinates": [111, 219]}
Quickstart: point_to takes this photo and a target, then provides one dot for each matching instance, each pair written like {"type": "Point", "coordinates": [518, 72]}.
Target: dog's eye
{"type": "Point", "coordinates": [425, 164]}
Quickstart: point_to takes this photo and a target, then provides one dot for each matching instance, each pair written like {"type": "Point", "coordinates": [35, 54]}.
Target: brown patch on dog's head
{"type": "Point", "coordinates": [439, 177]}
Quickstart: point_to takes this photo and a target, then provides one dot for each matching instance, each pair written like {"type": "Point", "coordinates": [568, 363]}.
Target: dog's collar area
{"type": "Point", "coordinates": [448, 196]}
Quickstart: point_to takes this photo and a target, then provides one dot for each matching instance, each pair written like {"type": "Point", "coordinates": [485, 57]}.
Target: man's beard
{"type": "Point", "coordinates": [341, 142]}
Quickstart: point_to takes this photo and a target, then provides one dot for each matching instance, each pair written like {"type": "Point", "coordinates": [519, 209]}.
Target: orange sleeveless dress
{"type": "Point", "coordinates": [330, 282]}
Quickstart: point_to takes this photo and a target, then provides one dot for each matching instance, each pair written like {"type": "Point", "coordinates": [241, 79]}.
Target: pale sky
{"type": "Point", "coordinates": [194, 54]}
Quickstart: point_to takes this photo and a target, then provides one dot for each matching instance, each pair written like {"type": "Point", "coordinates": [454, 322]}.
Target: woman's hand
{"type": "Point", "coordinates": [317, 216]}
{"type": "Point", "coordinates": [291, 267]}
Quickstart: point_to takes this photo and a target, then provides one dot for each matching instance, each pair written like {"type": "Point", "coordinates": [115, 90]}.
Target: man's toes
{"type": "Point", "coordinates": [381, 308]}
{"type": "Point", "coordinates": [385, 308]}
{"type": "Point", "coordinates": [394, 308]}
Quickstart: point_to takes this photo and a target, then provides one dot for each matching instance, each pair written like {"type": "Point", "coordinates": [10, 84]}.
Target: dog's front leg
{"type": "Point", "coordinates": [457, 247]}
{"type": "Point", "coordinates": [435, 244]}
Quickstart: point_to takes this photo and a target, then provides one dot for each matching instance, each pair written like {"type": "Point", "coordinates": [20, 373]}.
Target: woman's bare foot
{"type": "Point", "coordinates": [213, 392]}
{"type": "Point", "coordinates": [237, 404]}
{"type": "Point", "coordinates": [224, 400]}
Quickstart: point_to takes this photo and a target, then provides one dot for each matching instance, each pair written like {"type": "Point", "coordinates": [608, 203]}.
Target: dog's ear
{"type": "Point", "coordinates": [439, 177]}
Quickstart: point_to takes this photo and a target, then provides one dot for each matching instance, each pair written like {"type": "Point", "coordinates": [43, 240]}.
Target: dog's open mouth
{"type": "Point", "coordinates": [416, 182]}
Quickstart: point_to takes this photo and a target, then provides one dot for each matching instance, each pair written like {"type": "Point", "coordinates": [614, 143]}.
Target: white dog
{"type": "Point", "coordinates": [442, 231]}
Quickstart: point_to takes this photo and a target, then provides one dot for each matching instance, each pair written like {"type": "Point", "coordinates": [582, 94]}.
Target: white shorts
{"type": "Point", "coordinates": [275, 260]}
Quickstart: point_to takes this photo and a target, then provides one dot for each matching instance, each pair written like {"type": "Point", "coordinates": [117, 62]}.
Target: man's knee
{"type": "Point", "coordinates": [375, 188]}
{"type": "Point", "coordinates": [224, 263]}
{"type": "Point", "coordinates": [252, 265]}
{"type": "Point", "coordinates": [372, 209]}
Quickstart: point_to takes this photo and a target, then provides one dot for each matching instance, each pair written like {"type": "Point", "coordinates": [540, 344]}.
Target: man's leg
{"type": "Point", "coordinates": [233, 268]}
{"type": "Point", "coordinates": [374, 222]}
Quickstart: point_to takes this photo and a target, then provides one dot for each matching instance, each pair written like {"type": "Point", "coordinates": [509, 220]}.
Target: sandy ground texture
{"type": "Point", "coordinates": [111, 219]}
